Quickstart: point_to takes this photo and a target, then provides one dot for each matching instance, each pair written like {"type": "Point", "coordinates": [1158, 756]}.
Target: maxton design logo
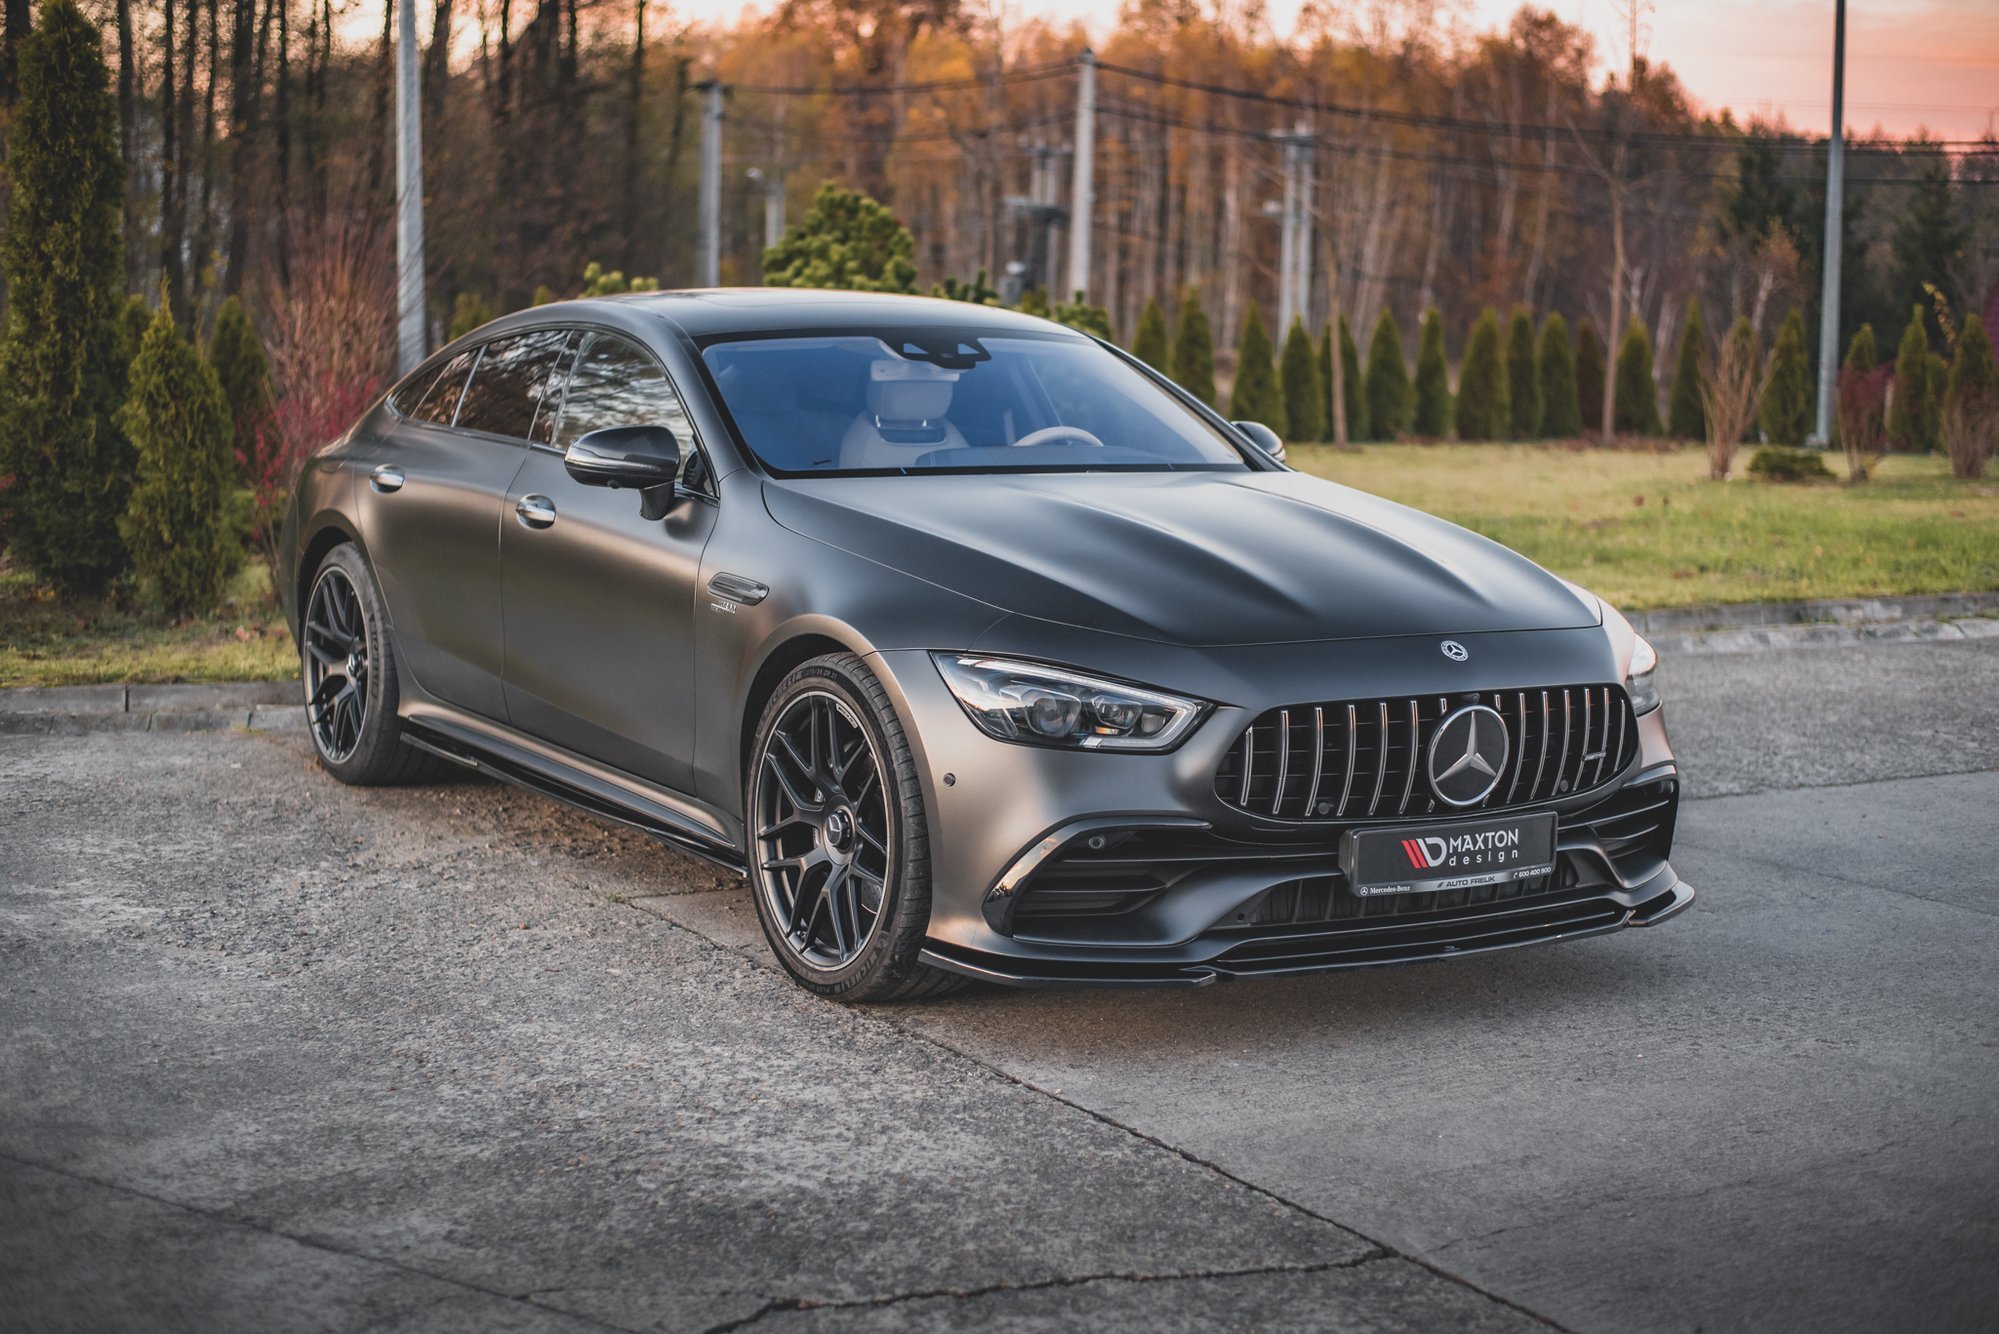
{"type": "Point", "coordinates": [1490, 846]}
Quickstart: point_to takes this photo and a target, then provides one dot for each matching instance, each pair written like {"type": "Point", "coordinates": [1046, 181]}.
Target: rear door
{"type": "Point", "coordinates": [599, 602]}
{"type": "Point", "coordinates": [432, 507]}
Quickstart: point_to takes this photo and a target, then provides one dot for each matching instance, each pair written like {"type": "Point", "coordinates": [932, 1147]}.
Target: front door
{"type": "Point", "coordinates": [599, 602]}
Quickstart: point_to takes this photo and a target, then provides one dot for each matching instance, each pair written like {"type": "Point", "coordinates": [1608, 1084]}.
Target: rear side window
{"type": "Point", "coordinates": [511, 381]}
{"type": "Point", "coordinates": [616, 383]}
{"type": "Point", "coordinates": [439, 404]}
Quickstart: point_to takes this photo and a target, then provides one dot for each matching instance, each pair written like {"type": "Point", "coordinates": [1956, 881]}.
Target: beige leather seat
{"type": "Point", "coordinates": [905, 417]}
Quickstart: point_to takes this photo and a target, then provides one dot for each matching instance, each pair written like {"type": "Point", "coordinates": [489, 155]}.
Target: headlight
{"type": "Point", "coordinates": [1642, 682]}
{"type": "Point", "coordinates": [1051, 706]}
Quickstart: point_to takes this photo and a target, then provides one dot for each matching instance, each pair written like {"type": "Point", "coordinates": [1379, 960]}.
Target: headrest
{"type": "Point", "coordinates": [908, 391]}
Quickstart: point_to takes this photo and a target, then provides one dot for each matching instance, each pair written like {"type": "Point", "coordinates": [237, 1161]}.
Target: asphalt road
{"type": "Point", "coordinates": [279, 1055]}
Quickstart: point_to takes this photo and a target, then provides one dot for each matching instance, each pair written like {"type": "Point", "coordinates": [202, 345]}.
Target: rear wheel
{"type": "Point", "coordinates": [838, 837]}
{"type": "Point", "coordinates": [351, 688]}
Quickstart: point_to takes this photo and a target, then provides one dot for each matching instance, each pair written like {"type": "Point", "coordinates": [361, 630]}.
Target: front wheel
{"type": "Point", "coordinates": [839, 850]}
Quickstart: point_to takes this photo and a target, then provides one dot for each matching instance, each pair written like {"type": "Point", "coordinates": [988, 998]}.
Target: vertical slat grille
{"type": "Point", "coordinates": [1367, 759]}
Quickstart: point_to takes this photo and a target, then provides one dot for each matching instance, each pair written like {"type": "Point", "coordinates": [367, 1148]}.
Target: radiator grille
{"type": "Point", "coordinates": [1364, 759]}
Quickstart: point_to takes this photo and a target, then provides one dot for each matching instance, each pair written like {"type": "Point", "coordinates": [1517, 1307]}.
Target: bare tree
{"type": "Point", "coordinates": [1730, 395]}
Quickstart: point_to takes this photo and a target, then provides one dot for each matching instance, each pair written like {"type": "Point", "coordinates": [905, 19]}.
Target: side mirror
{"type": "Point", "coordinates": [645, 459]}
{"type": "Point", "coordinates": [1263, 438]}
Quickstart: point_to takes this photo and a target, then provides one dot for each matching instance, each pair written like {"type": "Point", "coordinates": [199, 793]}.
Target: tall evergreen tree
{"type": "Point", "coordinates": [1786, 414]}
{"type": "Point", "coordinates": [134, 318]}
{"type": "Point", "coordinates": [1391, 399]}
{"type": "Point", "coordinates": [1637, 391]}
{"type": "Point", "coordinates": [1589, 374]}
{"type": "Point", "coordinates": [1150, 344]}
{"type": "Point", "coordinates": [1930, 239]}
{"type": "Point", "coordinates": [1910, 411]}
{"type": "Point", "coordinates": [1194, 349]}
{"type": "Point", "coordinates": [237, 355]}
{"type": "Point", "coordinates": [1523, 387]}
{"type": "Point", "coordinates": [1974, 378]}
{"type": "Point", "coordinates": [1484, 410]}
{"type": "Point", "coordinates": [1353, 382]}
{"type": "Point", "coordinates": [1304, 414]}
{"type": "Point", "coordinates": [1861, 354]}
{"type": "Point", "coordinates": [1555, 370]}
{"type": "Point", "coordinates": [1257, 395]}
{"type": "Point", "coordinates": [1433, 380]}
{"type": "Point", "coordinates": [63, 255]}
{"type": "Point", "coordinates": [1686, 418]}
{"type": "Point", "coordinates": [177, 525]}
{"type": "Point", "coordinates": [847, 240]}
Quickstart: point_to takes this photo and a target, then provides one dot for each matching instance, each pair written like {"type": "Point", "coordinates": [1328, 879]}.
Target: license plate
{"type": "Point", "coordinates": [1430, 858]}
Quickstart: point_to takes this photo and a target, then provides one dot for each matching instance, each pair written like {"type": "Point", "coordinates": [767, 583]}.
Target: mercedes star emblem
{"type": "Point", "coordinates": [1467, 755]}
{"type": "Point", "coordinates": [1455, 651]}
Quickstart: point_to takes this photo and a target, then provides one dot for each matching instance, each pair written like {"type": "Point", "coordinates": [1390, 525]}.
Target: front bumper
{"type": "Point", "coordinates": [1053, 867]}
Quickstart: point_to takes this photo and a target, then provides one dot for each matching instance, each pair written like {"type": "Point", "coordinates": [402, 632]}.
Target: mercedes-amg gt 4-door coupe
{"type": "Point", "coordinates": [980, 648]}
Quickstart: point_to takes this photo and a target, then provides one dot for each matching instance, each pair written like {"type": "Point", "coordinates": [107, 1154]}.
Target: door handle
{"type": "Point", "coordinates": [535, 511]}
{"type": "Point", "coordinates": [386, 477]}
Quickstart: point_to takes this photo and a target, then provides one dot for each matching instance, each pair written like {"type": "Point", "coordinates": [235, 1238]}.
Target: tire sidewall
{"type": "Point", "coordinates": [379, 740]}
{"type": "Point", "coordinates": [890, 954]}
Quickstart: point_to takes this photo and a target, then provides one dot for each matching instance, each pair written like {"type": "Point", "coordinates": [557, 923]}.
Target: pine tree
{"type": "Point", "coordinates": [846, 240]}
{"type": "Point", "coordinates": [468, 312]}
{"type": "Point", "coordinates": [134, 318]}
{"type": "Point", "coordinates": [1686, 418]}
{"type": "Point", "coordinates": [1523, 388]}
{"type": "Point", "coordinates": [1484, 412]}
{"type": "Point", "coordinates": [1034, 301]}
{"type": "Point", "coordinates": [1589, 375]}
{"type": "Point", "coordinates": [1354, 385]}
{"type": "Point", "coordinates": [1909, 408]}
{"type": "Point", "coordinates": [244, 373]}
{"type": "Point", "coordinates": [1555, 370]}
{"type": "Point", "coordinates": [1433, 380]}
{"type": "Point", "coordinates": [1150, 344]}
{"type": "Point", "coordinates": [1391, 399]}
{"type": "Point", "coordinates": [1257, 396]}
{"type": "Point", "coordinates": [63, 255]}
{"type": "Point", "coordinates": [1080, 314]}
{"type": "Point", "coordinates": [1786, 414]}
{"type": "Point", "coordinates": [1194, 349]}
{"type": "Point", "coordinates": [1637, 391]}
{"type": "Point", "coordinates": [1929, 241]}
{"type": "Point", "coordinates": [177, 525]}
{"type": "Point", "coordinates": [1304, 413]}
{"type": "Point", "coordinates": [1974, 378]}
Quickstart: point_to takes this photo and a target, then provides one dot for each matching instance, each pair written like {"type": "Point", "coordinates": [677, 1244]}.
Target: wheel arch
{"type": "Point", "coordinates": [330, 531]}
{"type": "Point", "coordinates": [784, 656]}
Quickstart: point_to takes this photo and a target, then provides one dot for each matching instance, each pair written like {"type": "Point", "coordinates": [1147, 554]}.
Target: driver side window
{"type": "Point", "coordinates": [617, 383]}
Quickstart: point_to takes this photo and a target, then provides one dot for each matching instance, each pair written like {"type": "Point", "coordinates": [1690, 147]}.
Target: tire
{"type": "Point", "coordinates": [829, 828]}
{"type": "Point", "coordinates": [351, 697]}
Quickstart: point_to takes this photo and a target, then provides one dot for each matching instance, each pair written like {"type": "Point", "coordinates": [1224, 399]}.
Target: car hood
{"type": "Point", "coordinates": [1203, 559]}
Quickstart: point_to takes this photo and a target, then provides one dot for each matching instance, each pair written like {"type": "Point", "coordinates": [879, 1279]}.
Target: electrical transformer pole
{"type": "Point", "coordinates": [1835, 182]}
{"type": "Point", "coordinates": [409, 194]}
{"type": "Point", "coordinates": [708, 272]}
{"type": "Point", "coordinates": [1082, 191]}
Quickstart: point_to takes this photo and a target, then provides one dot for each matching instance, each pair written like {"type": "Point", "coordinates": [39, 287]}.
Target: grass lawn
{"type": "Point", "coordinates": [45, 642]}
{"type": "Point", "coordinates": [1648, 530]}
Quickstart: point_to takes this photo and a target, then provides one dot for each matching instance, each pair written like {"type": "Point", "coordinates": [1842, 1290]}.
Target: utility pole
{"type": "Point", "coordinates": [1082, 190]}
{"type": "Point", "coordinates": [708, 272]}
{"type": "Point", "coordinates": [409, 194]}
{"type": "Point", "coordinates": [1294, 283]}
{"type": "Point", "coordinates": [1835, 189]}
{"type": "Point", "coordinates": [773, 183]}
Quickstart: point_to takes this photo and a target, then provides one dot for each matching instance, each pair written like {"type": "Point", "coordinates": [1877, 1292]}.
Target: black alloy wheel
{"type": "Point", "coordinates": [336, 665]}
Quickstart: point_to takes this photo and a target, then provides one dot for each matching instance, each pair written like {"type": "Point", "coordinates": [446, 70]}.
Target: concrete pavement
{"type": "Point", "coordinates": [276, 1054]}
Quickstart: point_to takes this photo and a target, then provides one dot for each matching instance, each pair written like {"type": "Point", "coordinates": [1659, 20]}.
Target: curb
{"type": "Point", "coordinates": [1827, 611]}
{"type": "Point", "coordinates": [271, 706]}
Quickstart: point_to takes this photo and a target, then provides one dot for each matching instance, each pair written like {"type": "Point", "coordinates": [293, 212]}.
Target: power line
{"type": "Point", "coordinates": [1034, 73]}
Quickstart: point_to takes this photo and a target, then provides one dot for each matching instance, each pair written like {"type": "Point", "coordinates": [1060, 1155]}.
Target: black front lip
{"type": "Point", "coordinates": [1284, 954]}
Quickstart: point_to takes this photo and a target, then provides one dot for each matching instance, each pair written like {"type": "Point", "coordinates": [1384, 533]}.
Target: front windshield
{"type": "Point", "coordinates": [954, 400]}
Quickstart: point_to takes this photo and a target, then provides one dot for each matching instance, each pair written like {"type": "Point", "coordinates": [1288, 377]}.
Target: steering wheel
{"type": "Point", "coordinates": [1048, 435]}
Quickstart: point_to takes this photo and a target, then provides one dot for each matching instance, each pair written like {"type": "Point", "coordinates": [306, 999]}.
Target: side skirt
{"type": "Point", "coordinates": [477, 748]}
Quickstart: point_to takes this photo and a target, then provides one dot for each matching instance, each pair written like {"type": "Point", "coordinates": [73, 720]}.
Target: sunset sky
{"type": "Point", "coordinates": [1910, 63]}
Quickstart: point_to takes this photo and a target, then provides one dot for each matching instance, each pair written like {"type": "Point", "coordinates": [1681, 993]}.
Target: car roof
{"type": "Point", "coordinates": [703, 312]}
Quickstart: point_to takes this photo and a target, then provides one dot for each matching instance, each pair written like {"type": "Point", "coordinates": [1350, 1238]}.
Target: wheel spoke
{"type": "Point", "coordinates": [787, 822]}
{"type": "Point", "coordinates": [867, 836]}
{"type": "Point", "coordinates": [791, 793]}
{"type": "Point", "coordinates": [835, 911]}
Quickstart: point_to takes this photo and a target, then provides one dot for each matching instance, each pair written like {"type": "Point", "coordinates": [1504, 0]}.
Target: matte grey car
{"type": "Point", "coordinates": [982, 650]}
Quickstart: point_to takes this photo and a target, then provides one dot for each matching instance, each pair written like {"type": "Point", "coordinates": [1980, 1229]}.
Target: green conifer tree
{"type": "Point", "coordinates": [1555, 370]}
{"type": "Point", "coordinates": [1786, 412]}
{"type": "Point", "coordinates": [1353, 384]}
{"type": "Point", "coordinates": [1909, 408]}
{"type": "Point", "coordinates": [134, 318]}
{"type": "Point", "coordinates": [62, 249]}
{"type": "Point", "coordinates": [468, 312]}
{"type": "Point", "coordinates": [1078, 313]}
{"type": "Point", "coordinates": [1861, 353]}
{"type": "Point", "coordinates": [1523, 386]}
{"type": "Point", "coordinates": [846, 240]}
{"type": "Point", "coordinates": [1637, 391]}
{"type": "Point", "coordinates": [1590, 374]}
{"type": "Point", "coordinates": [1433, 380]}
{"type": "Point", "coordinates": [1194, 349]}
{"type": "Point", "coordinates": [1304, 410]}
{"type": "Point", "coordinates": [1150, 345]}
{"type": "Point", "coordinates": [1034, 301]}
{"type": "Point", "coordinates": [177, 525]}
{"type": "Point", "coordinates": [1974, 378]}
{"type": "Point", "coordinates": [244, 373]}
{"type": "Point", "coordinates": [1257, 395]}
{"type": "Point", "coordinates": [1483, 410]}
{"type": "Point", "coordinates": [1686, 418]}
{"type": "Point", "coordinates": [1391, 399]}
